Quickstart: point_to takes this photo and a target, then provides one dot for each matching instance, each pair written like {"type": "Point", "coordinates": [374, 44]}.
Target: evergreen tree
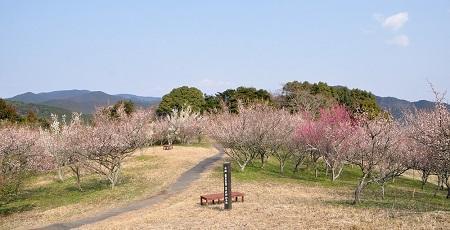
{"type": "Point", "coordinates": [7, 111]}
{"type": "Point", "coordinates": [180, 98]}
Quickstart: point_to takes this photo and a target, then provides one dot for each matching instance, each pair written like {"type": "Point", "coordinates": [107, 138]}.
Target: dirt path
{"type": "Point", "coordinates": [180, 184]}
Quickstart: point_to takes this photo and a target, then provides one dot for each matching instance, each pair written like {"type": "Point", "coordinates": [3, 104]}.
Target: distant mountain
{"type": "Point", "coordinates": [83, 101]}
{"type": "Point", "coordinates": [397, 107]}
{"type": "Point", "coordinates": [42, 111]}
{"type": "Point", "coordinates": [30, 97]}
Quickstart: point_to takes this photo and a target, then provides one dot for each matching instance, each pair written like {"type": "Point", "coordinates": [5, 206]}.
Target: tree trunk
{"type": "Point", "coordinates": [333, 174]}
{"type": "Point", "coordinates": [61, 174]}
{"type": "Point", "coordinates": [440, 181]}
{"type": "Point", "coordinates": [359, 189]}
{"type": "Point", "coordinates": [114, 176]}
{"type": "Point", "coordinates": [112, 183]}
{"type": "Point", "coordinates": [435, 191]}
{"type": "Point", "coordinates": [447, 183]}
{"type": "Point", "coordinates": [448, 192]}
{"type": "Point", "coordinates": [281, 168]}
{"type": "Point", "coordinates": [444, 180]}
{"type": "Point", "coordinates": [76, 171]}
{"type": "Point", "coordinates": [79, 182]}
{"type": "Point", "coordinates": [78, 175]}
{"type": "Point", "coordinates": [263, 162]}
{"type": "Point", "coordinates": [425, 176]}
{"type": "Point", "coordinates": [242, 168]}
{"type": "Point", "coordinates": [299, 162]}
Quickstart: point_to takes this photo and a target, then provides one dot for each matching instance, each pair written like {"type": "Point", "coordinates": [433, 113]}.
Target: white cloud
{"type": "Point", "coordinates": [399, 40]}
{"type": "Point", "coordinates": [393, 22]}
{"type": "Point", "coordinates": [396, 21]}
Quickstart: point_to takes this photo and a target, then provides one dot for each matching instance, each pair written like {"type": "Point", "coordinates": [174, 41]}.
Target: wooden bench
{"type": "Point", "coordinates": [167, 147]}
{"type": "Point", "coordinates": [219, 197]}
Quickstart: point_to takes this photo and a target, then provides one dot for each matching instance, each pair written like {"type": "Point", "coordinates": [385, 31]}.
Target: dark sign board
{"type": "Point", "coordinates": [227, 185]}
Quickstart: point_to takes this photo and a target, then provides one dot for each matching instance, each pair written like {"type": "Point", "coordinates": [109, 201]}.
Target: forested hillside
{"type": "Point", "coordinates": [83, 101]}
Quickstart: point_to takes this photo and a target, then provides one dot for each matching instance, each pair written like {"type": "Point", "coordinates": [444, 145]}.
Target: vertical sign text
{"type": "Point", "coordinates": [227, 185]}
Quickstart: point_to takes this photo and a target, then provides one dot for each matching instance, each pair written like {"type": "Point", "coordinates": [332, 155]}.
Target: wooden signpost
{"type": "Point", "coordinates": [227, 200]}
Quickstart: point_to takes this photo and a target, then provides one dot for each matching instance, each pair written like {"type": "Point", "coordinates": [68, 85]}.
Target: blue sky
{"type": "Point", "coordinates": [391, 48]}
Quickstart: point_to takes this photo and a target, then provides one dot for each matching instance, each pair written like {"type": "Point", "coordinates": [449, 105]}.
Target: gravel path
{"type": "Point", "coordinates": [180, 184]}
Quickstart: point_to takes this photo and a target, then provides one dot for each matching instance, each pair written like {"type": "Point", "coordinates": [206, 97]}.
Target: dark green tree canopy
{"type": "Point", "coordinates": [7, 111]}
{"type": "Point", "coordinates": [212, 104]}
{"type": "Point", "coordinates": [9, 114]}
{"type": "Point", "coordinates": [311, 97]}
{"type": "Point", "coordinates": [231, 98]}
{"type": "Point", "coordinates": [31, 117]}
{"type": "Point", "coordinates": [180, 97]}
{"type": "Point", "coordinates": [127, 105]}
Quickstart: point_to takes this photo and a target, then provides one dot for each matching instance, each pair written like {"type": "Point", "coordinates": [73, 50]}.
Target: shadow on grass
{"type": "Point", "coordinates": [400, 196]}
{"type": "Point", "coordinates": [8, 210]}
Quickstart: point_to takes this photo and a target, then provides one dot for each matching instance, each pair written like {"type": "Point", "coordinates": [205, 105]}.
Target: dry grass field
{"type": "Point", "coordinates": [272, 201]}
{"type": "Point", "coordinates": [146, 173]}
{"type": "Point", "coordinates": [270, 205]}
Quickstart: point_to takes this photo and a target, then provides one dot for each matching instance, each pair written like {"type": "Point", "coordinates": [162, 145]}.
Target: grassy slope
{"type": "Point", "coordinates": [398, 194]}
{"type": "Point", "coordinates": [42, 192]}
{"type": "Point", "coordinates": [44, 200]}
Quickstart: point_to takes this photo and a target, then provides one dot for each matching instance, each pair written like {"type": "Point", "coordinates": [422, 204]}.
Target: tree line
{"type": "Point", "coordinates": [294, 96]}
{"type": "Point", "coordinates": [381, 147]}
{"type": "Point", "coordinates": [8, 113]}
{"type": "Point", "coordinates": [99, 146]}
{"type": "Point", "coordinates": [251, 125]}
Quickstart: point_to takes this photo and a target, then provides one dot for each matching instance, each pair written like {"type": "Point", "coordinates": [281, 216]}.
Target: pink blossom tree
{"type": "Point", "coordinates": [330, 135]}
{"type": "Point", "coordinates": [19, 153]}
{"type": "Point", "coordinates": [308, 136]}
{"type": "Point", "coordinates": [380, 150]}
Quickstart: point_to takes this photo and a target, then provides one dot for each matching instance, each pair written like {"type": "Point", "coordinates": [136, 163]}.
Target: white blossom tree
{"type": "Point", "coordinates": [431, 130]}
{"type": "Point", "coordinates": [112, 139]}
{"type": "Point", "coordinates": [242, 135]}
{"type": "Point", "coordinates": [379, 148]}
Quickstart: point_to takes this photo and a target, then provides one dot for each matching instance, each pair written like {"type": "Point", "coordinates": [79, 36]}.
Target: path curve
{"type": "Point", "coordinates": [180, 184]}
